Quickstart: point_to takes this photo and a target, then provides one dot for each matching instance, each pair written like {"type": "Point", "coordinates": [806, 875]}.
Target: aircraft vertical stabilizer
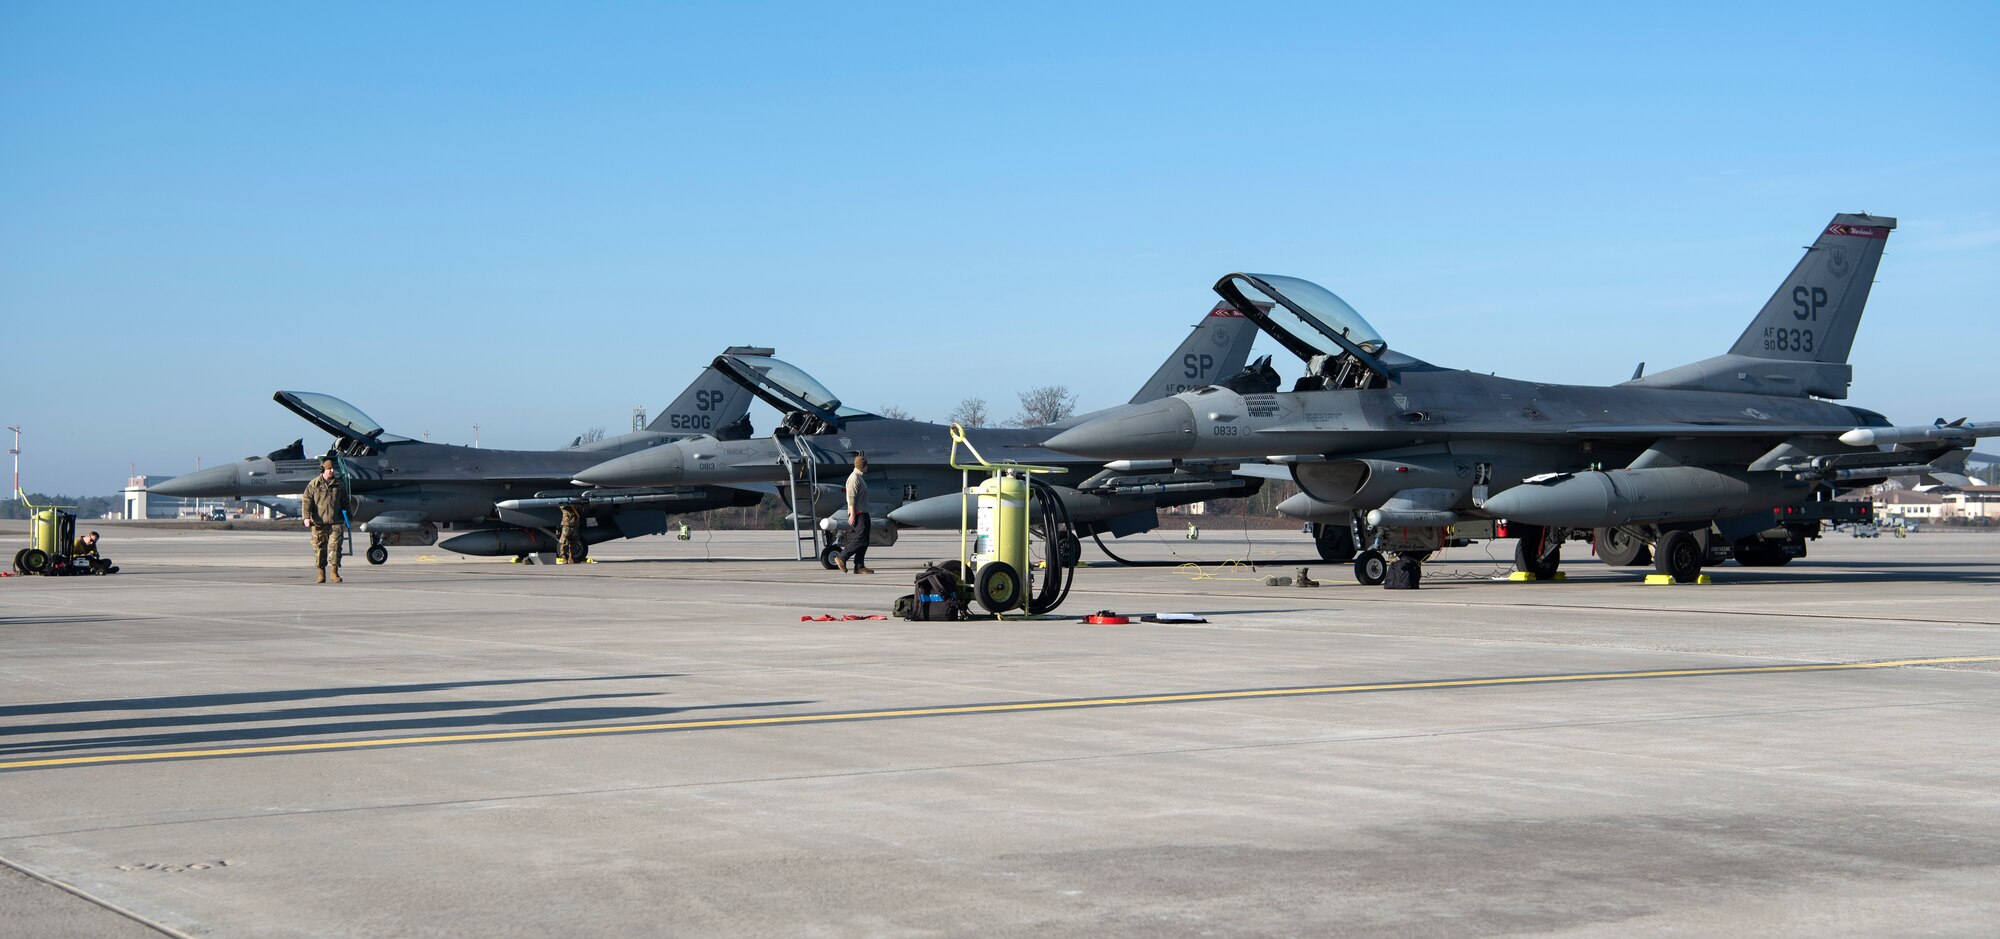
{"type": "Point", "coordinates": [710, 403]}
{"type": "Point", "coordinates": [1216, 349]}
{"type": "Point", "coordinates": [1799, 342]}
{"type": "Point", "coordinates": [1813, 316]}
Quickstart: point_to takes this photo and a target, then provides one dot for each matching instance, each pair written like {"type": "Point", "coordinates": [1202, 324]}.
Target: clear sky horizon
{"type": "Point", "coordinates": [534, 216]}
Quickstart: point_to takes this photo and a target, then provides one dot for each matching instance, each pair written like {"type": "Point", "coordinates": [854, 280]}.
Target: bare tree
{"type": "Point", "coordinates": [895, 413]}
{"type": "Point", "coordinates": [970, 412]}
{"type": "Point", "coordinates": [1045, 405]}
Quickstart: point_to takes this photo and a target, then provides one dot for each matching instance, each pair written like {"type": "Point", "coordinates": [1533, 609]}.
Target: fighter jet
{"type": "Point", "coordinates": [910, 482]}
{"type": "Point", "coordinates": [507, 501]}
{"type": "Point", "coordinates": [1723, 457]}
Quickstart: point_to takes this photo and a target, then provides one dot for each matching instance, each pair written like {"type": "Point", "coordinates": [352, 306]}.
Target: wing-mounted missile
{"type": "Point", "coordinates": [1152, 477]}
{"type": "Point", "coordinates": [591, 499]}
{"type": "Point", "coordinates": [1959, 433]}
{"type": "Point", "coordinates": [1417, 508]}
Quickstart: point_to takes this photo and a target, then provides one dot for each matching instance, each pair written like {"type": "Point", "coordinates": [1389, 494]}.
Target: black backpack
{"type": "Point", "coordinates": [936, 596]}
{"type": "Point", "coordinates": [1402, 575]}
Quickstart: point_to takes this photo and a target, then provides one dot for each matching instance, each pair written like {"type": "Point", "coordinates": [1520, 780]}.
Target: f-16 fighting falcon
{"type": "Point", "coordinates": [910, 481]}
{"type": "Point", "coordinates": [1695, 464]}
{"type": "Point", "coordinates": [507, 501]}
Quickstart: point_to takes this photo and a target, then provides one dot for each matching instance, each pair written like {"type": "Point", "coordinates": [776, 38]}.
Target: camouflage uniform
{"type": "Point", "coordinates": [322, 506]}
{"type": "Point", "coordinates": [570, 546]}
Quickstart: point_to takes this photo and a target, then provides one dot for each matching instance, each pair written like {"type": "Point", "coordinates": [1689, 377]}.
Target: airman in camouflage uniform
{"type": "Point", "coordinates": [569, 547]}
{"type": "Point", "coordinates": [323, 507]}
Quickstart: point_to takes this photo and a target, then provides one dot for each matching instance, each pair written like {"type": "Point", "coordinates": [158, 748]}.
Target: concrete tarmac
{"type": "Point", "coordinates": [207, 744]}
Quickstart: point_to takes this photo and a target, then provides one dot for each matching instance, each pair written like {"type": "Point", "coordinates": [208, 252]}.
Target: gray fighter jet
{"type": "Point", "coordinates": [506, 501]}
{"type": "Point", "coordinates": [1724, 457]}
{"type": "Point", "coordinates": [910, 482]}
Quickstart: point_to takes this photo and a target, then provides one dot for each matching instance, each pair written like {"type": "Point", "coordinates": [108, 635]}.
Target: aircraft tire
{"type": "Point", "coordinates": [1679, 555]}
{"type": "Point", "coordinates": [1369, 568]}
{"type": "Point", "coordinates": [1071, 547]}
{"type": "Point", "coordinates": [378, 554]}
{"type": "Point", "coordinates": [829, 557]}
{"type": "Point", "coordinates": [1528, 554]}
{"type": "Point", "coordinates": [1620, 548]}
{"type": "Point", "coordinates": [1335, 543]}
{"type": "Point", "coordinates": [997, 587]}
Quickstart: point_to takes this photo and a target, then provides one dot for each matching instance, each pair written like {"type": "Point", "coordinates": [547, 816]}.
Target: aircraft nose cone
{"type": "Point", "coordinates": [216, 481]}
{"type": "Point", "coordinates": [1156, 430]}
{"type": "Point", "coordinates": [659, 466]}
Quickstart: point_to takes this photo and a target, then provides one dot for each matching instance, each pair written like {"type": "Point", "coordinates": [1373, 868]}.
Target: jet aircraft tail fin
{"type": "Point", "coordinates": [1216, 349]}
{"type": "Point", "coordinates": [1799, 342]}
{"type": "Point", "coordinates": [711, 403]}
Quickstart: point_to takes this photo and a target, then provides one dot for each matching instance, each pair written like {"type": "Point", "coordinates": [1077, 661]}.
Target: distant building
{"type": "Point", "coordinates": [139, 503]}
{"type": "Point", "coordinates": [1970, 502]}
{"type": "Point", "coordinates": [1892, 505]}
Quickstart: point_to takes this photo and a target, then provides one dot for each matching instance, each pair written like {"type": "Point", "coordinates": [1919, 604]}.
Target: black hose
{"type": "Point", "coordinates": [1061, 563]}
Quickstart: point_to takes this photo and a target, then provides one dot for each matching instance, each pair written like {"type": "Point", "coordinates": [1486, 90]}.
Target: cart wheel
{"type": "Point", "coordinates": [1071, 549]}
{"type": "Point", "coordinates": [34, 561]}
{"type": "Point", "coordinates": [829, 557]}
{"type": "Point", "coordinates": [20, 567]}
{"type": "Point", "coordinates": [998, 587]}
{"type": "Point", "coordinates": [378, 555]}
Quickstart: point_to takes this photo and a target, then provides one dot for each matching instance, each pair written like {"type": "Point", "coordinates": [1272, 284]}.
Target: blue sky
{"type": "Point", "coordinates": [534, 216]}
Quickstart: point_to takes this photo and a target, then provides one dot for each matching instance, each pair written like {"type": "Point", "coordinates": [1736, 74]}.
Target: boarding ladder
{"type": "Point", "coordinates": [801, 461]}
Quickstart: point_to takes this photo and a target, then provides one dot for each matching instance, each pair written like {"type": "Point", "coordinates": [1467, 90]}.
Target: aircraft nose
{"type": "Point", "coordinates": [660, 466]}
{"type": "Point", "coordinates": [1162, 429]}
{"type": "Point", "coordinates": [214, 482]}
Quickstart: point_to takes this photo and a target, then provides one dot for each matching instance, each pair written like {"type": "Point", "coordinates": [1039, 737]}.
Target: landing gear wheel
{"type": "Point", "coordinates": [1335, 543]}
{"type": "Point", "coordinates": [1370, 569]}
{"type": "Point", "coordinates": [1679, 556]}
{"type": "Point", "coordinates": [33, 561]}
{"type": "Point", "coordinates": [829, 557]}
{"type": "Point", "coordinates": [378, 555]}
{"type": "Point", "coordinates": [1528, 555]}
{"type": "Point", "coordinates": [1620, 548]}
{"type": "Point", "coordinates": [998, 587]}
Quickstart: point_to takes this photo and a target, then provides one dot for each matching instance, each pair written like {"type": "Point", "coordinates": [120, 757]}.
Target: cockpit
{"type": "Point", "coordinates": [357, 433]}
{"type": "Point", "coordinates": [808, 407]}
{"type": "Point", "coordinates": [1338, 346]}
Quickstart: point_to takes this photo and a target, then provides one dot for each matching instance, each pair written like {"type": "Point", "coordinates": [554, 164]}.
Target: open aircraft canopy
{"type": "Point", "coordinates": [1312, 322]}
{"type": "Point", "coordinates": [786, 387]}
{"type": "Point", "coordinates": [336, 417]}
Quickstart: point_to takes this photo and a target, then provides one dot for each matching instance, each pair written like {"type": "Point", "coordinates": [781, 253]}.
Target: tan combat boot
{"type": "Point", "coordinates": [336, 575]}
{"type": "Point", "coordinates": [322, 576]}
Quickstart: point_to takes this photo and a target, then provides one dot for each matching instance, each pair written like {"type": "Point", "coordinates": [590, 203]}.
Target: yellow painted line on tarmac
{"type": "Point", "coordinates": [1060, 704]}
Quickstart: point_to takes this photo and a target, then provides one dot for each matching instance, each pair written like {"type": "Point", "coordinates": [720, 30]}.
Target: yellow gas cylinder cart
{"type": "Point", "coordinates": [51, 532]}
{"type": "Point", "coordinates": [997, 520]}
